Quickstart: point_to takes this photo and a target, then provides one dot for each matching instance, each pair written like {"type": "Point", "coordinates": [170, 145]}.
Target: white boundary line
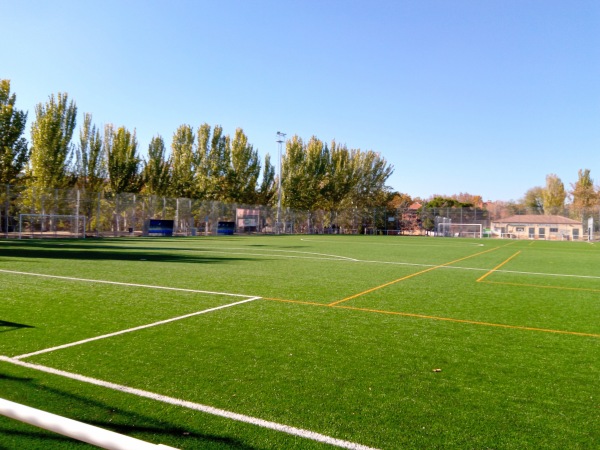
{"type": "Point", "coordinates": [516, 272]}
{"type": "Point", "coordinates": [324, 256]}
{"type": "Point", "coordinates": [194, 406]}
{"type": "Point", "coordinates": [119, 283]}
{"type": "Point", "coordinates": [129, 330]}
{"type": "Point", "coordinates": [341, 258]}
{"type": "Point", "coordinates": [328, 257]}
{"type": "Point", "coordinates": [388, 244]}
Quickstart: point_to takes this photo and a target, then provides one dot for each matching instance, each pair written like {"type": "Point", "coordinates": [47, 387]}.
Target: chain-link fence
{"type": "Point", "coordinates": [106, 214]}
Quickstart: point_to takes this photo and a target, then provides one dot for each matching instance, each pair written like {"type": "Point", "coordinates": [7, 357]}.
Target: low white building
{"type": "Point", "coordinates": [530, 226]}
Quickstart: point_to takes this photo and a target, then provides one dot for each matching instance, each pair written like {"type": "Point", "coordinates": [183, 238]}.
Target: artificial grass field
{"type": "Point", "coordinates": [376, 341]}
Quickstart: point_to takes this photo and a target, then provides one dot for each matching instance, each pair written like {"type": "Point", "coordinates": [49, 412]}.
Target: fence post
{"type": "Point", "coordinates": [6, 208]}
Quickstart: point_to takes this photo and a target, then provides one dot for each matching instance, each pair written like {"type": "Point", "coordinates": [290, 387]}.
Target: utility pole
{"type": "Point", "coordinates": [280, 141]}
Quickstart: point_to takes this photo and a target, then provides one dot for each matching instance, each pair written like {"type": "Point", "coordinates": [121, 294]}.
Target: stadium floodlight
{"type": "Point", "coordinates": [280, 141]}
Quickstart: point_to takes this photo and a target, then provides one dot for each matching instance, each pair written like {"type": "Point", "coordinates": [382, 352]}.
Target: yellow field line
{"type": "Point", "coordinates": [407, 277]}
{"type": "Point", "coordinates": [497, 267]}
{"type": "Point", "coordinates": [299, 302]}
{"type": "Point", "coordinates": [472, 322]}
{"type": "Point", "coordinates": [563, 288]}
{"type": "Point", "coordinates": [446, 319]}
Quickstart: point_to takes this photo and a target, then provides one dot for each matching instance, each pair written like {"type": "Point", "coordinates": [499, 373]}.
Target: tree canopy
{"type": "Point", "coordinates": [90, 166]}
{"type": "Point", "coordinates": [584, 194]}
{"type": "Point", "coordinates": [554, 194]}
{"type": "Point", "coordinates": [123, 160]}
{"type": "Point", "coordinates": [14, 152]}
{"type": "Point", "coordinates": [155, 174]}
{"type": "Point", "coordinates": [51, 149]}
{"type": "Point", "coordinates": [208, 164]}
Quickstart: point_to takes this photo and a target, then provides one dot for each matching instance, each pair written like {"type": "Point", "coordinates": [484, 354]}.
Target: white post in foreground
{"type": "Point", "coordinates": [87, 433]}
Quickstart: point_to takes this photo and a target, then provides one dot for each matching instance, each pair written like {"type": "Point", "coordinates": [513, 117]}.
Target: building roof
{"type": "Point", "coordinates": [538, 219]}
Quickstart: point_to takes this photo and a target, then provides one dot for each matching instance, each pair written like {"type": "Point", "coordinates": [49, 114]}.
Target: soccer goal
{"type": "Point", "coordinates": [449, 229]}
{"type": "Point", "coordinates": [51, 226]}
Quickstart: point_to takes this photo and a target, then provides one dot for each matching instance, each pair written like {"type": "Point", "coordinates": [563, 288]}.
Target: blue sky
{"type": "Point", "coordinates": [478, 96]}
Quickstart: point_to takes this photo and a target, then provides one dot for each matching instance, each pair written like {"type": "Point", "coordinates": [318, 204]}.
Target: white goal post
{"type": "Point", "coordinates": [52, 225]}
{"type": "Point", "coordinates": [74, 429]}
{"type": "Point", "coordinates": [449, 229]}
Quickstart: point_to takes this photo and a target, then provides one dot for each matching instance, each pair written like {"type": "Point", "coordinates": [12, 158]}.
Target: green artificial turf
{"type": "Point", "coordinates": [388, 342]}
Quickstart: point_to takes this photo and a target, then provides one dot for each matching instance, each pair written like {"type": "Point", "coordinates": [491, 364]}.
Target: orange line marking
{"type": "Point", "coordinates": [564, 288]}
{"type": "Point", "coordinates": [368, 291]}
{"type": "Point", "coordinates": [300, 302]}
{"type": "Point", "coordinates": [472, 322]}
{"type": "Point", "coordinates": [497, 267]}
{"type": "Point", "coordinates": [446, 319]}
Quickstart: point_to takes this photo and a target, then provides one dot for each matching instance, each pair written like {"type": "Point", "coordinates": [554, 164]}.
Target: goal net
{"type": "Point", "coordinates": [51, 226]}
{"type": "Point", "coordinates": [448, 229]}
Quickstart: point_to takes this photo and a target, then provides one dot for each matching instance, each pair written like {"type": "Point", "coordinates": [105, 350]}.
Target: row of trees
{"type": "Point", "coordinates": [552, 198]}
{"type": "Point", "coordinates": [204, 163]}
{"type": "Point", "coordinates": [582, 199]}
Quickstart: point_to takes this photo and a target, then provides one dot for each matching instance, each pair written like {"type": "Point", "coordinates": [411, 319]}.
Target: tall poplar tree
{"type": "Point", "coordinates": [315, 171]}
{"type": "Point", "coordinates": [123, 160]}
{"type": "Point", "coordinates": [303, 173]}
{"type": "Point", "coordinates": [554, 195]}
{"type": "Point", "coordinates": [90, 167]}
{"type": "Point", "coordinates": [213, 161]}
{"type": "Point", "coordinates": [340, 177]}
{"type": "Point", "coordinates": [183, 162]}
{"type": "Point", "coordinates": [219, 159]}
{"type": "Point", "coordinates": [51, 148]}
{"type": "Point", "coordinates": [267, 189]}
{"type": "Point", "coordinates": [202, 167]}
{"type": "Point", "coordinates": [156, 172]}
{"type": "Point", "coordinates": [372, 174]}
{"type": "Point", "coordinates": [13, 146]}
{"type": "Point", "coordinates": [583, 191]}
{"type": "Point", "coordinates": [292, 178]}
{"type": "Point", "coordinates": [244, 170]}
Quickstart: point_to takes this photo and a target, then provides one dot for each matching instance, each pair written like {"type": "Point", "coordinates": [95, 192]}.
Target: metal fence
{"type": "Point", "coordinates": [126, 214]}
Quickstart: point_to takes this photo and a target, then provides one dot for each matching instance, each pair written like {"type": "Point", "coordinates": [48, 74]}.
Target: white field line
{"type": "Point", "coordinates": [333, 258]}
{"type": "Point", "coordinates": [129, 330]}
{"type": "Point", "coordinates": [517, 272]}
{"type": "Point", "coordinates": [119, 283]}
{"type": "Point", "coordinates": [565, 275]}
{"type": "Point", "coordinates": [399, 263]}
{"type": "Point", "coordinates": [311, 255]}
{"type": "Point", "coordinates": [194, 406]}
{"type": "Point", "coordinates": [405, 244]}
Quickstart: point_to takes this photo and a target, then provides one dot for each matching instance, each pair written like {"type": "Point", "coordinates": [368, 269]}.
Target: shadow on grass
{"type": "Point", "coordinates": [97, 252]}
{"type": "Point", "coordinates": [12, 326]}
{"type": "Point", "coordinates": [118, 420]}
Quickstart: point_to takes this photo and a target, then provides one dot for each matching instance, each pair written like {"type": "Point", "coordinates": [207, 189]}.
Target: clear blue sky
{"type": "Point", "coordinates": [478, 96]}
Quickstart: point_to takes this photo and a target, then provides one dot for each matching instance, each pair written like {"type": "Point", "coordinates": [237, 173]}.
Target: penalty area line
{"type": "Point", "coordinates": [129, 330]}
{"type": "Point", "coordinates": [307, 434]}
{"type": "Point", "coordinates": [120, 283]}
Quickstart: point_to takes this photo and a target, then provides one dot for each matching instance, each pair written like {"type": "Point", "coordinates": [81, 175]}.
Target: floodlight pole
{"type": "Point", "coordinates": [280, 141]}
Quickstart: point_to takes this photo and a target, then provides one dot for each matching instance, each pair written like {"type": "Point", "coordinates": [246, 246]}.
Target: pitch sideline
{"type": "Point", "coordinates": [307, 434]}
